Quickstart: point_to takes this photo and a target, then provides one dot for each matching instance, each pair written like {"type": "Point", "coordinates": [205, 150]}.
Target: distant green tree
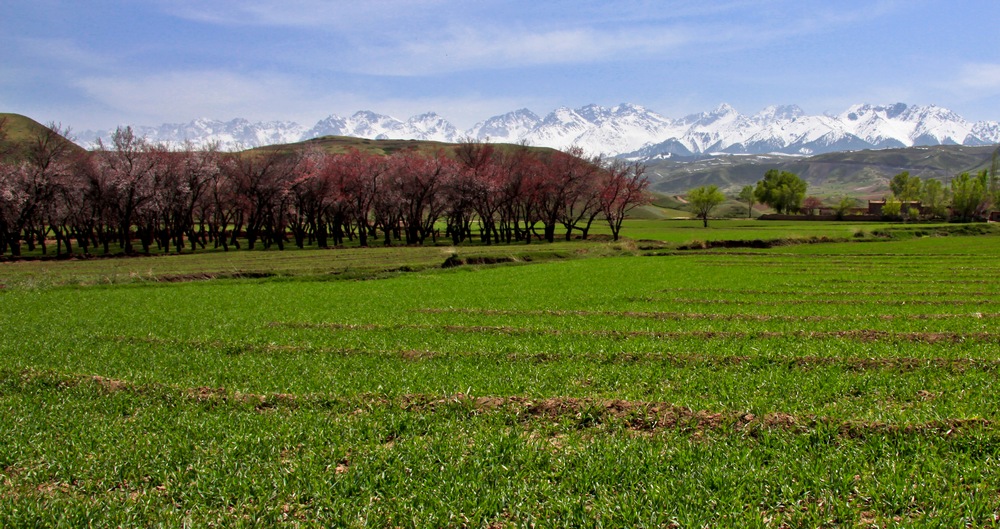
{"type": "Point", "coordinates": [747, 195]}
{"type": "Point", "coordinates": [703, 200]}
{"type": "Point", "coordinates": [892, 208]}
{"type": "Point", "coordinates": [843, 207]}
{"type": "Point", "coordinates": [781, 190]}
{"type": "Point", "coordinates": [968, 195]}
{"type": "Point", "coordinates": [993, 182]}
{"type": "Point", "coordinates": [934, 196]}
{"type": "Point", "coordinates": [904, 187]}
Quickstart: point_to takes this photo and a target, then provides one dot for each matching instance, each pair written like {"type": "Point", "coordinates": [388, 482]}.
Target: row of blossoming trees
{"type": "Point", "coordinates": [130, 195]}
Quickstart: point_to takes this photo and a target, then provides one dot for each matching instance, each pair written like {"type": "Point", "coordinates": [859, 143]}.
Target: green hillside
{"type": "Point", "coordinates": [20, 131]}
{"type": "Point", "coordinates": [341, 144]}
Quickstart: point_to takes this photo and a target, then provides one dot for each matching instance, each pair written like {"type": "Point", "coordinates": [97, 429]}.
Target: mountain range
{"type": "Point", "coordinates": [624, 130]}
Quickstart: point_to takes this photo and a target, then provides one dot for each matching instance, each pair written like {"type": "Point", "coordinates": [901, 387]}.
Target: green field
{"type": "Point", "coordinates": [578, 384]}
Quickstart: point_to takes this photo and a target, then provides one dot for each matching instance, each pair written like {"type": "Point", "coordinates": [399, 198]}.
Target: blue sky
{"type": "Point", "coordinates": [100, 63]}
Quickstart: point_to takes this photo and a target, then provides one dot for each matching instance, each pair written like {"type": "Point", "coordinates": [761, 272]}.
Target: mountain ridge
{"type": "Point", "coordinates": [859, 174]}
{"type": "Point", "coordinates": [626, 130]}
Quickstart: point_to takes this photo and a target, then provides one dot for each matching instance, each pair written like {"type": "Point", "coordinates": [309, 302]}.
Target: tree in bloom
{"type": "Point", "coordinates": [183, 181]}
{"type": "Point", "coordinates": [358, 176]}
{"type": "Point", "coordinates": [477, 185]}
{"type": "Point", "coordinates": [262, 182]}
{"type": "Point", "coordinates": [519, 195]}
{"type": "Point", "coordinates": [422, 180]}
{"type": "Point", "coordinates": [29, 179]}
{"type": "Point", "coordinates": [12, 201]}
{"type": "Point", "coordinates": [623, 188]}
{"type": "Point", "coordinates": [311, 189]}
{"type": "Point", "coordinates": [129, 168]}
{"type": "Point", "coordinates": [810, 204]}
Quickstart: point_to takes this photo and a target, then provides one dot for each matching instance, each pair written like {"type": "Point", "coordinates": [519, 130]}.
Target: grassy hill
{"type": "Point", "coordinates": [855, 173]}
{"type": "Point", "coordinates": [676, 207]}
{"type": "Point", "coordinates": [342, 144]}
{"type": "Point", "coordinates": [21, 131]}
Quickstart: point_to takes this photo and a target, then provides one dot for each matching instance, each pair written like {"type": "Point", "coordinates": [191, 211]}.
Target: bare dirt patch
{"type": "Point", "coordinates": [111, 384]}
{"type": "Point", "coordinates": [206, 276]}
{"type": "Point", "coordinates": [653, 416]}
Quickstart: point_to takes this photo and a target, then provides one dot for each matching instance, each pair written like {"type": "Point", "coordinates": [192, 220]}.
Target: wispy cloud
{"type": "Point", "coordinates": [429, 37]}
{"type": "Point", "coordinates": [306, 14]}
{"type": "Point", "coordinates": [466, 48]}
{"type": "Point", "coordinates": [62, 52]}
{"type": "Point", "coordinates": [180, 96]}
{"type": "Point", "coordinates": [192, 93]}
{"type": "Point", "coordinates": [980, 76]}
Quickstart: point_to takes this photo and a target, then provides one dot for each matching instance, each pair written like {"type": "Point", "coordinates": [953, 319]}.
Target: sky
{"type": "Point", "coordinates": [102, 63]}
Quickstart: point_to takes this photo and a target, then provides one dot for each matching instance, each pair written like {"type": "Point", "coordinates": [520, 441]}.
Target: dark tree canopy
{"type": "Point", "coordinates": [781, 190]}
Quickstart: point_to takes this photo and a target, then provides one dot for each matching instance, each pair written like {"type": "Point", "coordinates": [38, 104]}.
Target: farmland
{"type": "Point", "coordinates": [847, 384]}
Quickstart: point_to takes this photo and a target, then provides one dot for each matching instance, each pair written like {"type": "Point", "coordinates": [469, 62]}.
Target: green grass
{"type": "Point", "coordinates": [315, 264]}
{"type": "Point", "coordinates": [685, 231]}
{"type": "Point", "coordinates": [838, 385]}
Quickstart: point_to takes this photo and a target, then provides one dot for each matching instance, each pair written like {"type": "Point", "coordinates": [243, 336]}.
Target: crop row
{"type": "Point", "coordinates": [708, 316]}
{"type": "Point", "coordinates": [864, 335]}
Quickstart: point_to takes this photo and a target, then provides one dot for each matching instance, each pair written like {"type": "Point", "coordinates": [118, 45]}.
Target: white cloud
{"type": "Point", "coordinates": [428, 37]}
{"type": "Point", "coordinates": [168, 96]}
{"type": "Point", "coordinates": [322, 14]}
{"type": "Point", "coordinates": [469, 49]}
{"type": "Point", "coordinates": [61, 51]}
{"type": "Point", "coordinates": [980, 76]}
{"type": "Point", "coordinates": [183, 96]}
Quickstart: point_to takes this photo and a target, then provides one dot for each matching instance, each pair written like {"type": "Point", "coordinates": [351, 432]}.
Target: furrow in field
{"type": "Point", "coordinates": [813, 292]}
{"type": "Point", "coordinates": [636, 415]}
{"type": "Point", "coordinates": [863, 335]}
{"type": "Point", "coordinates": [860, 301]}
{"type": "Point", "coordinates": [677, 316]}
{"type": "Point", "coordinates": [899, 281]}
{"type": "Point", "coordinates": [615, 357]}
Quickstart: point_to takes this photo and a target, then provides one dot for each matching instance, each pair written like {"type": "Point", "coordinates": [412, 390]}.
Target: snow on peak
{"type": "Point", "coordinates": [508, 128]}
{"type": "Point", "coordinates": [623, 129]}
{"type": "Point", "coordinates": [779, 112]}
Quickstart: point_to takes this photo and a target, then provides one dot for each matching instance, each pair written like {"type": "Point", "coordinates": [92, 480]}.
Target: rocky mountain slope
{"type": "Point", "coordinates": [863, 174]}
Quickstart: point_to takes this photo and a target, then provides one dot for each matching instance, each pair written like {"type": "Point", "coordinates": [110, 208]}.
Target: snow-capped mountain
{"type": "Point", "coordinates": [789, 130]}
{"type": "Point", "coordinates": [367, 124]}
{"type": "Point", "coordinates": [229, 135]}
{"type": "Point", "coordinates": [507, 128]}
{"type": "Point", "coordinates": [626, 130]}
{"type": "Point", "coordinates": [618, 129]}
